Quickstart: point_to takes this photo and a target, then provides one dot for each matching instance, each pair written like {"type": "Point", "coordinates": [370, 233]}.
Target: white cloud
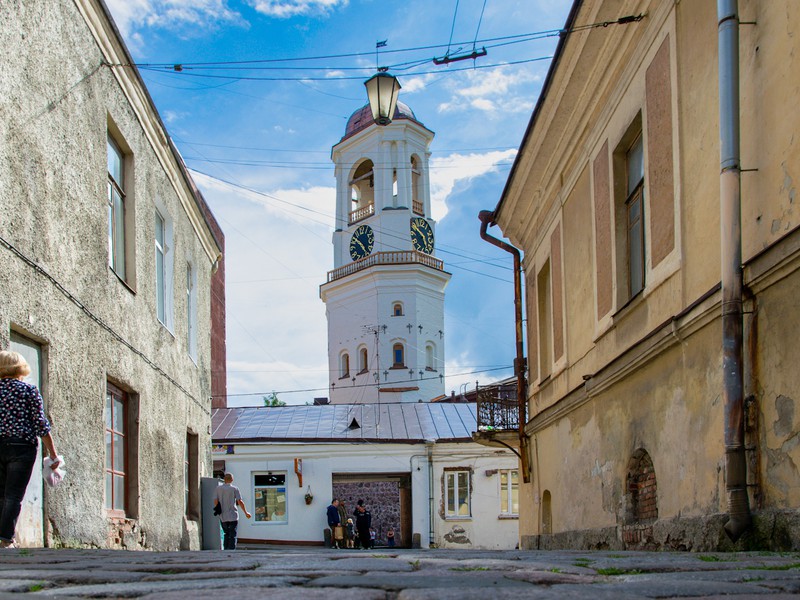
{"type": "Point", "coordinates": [200, 15]}
{"type": "Point", "coordinates": [492, 92]}
{"type": "Point", "coordinates": [284, 9]}
{"type": "Point", "coordinates": [448, 170]}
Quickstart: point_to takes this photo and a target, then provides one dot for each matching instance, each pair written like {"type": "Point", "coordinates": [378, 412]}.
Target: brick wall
{"type": "Point", "coordinates": [382, 499]}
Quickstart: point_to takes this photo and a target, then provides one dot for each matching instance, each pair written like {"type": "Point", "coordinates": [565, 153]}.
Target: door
{"type": "Point", "coordinates": [30, 526]}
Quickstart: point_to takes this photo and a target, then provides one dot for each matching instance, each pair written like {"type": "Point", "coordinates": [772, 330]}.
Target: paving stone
{"type": "Point", "coordinates": [141, 588]}
{"type": "Point", "coordinates": [390, 581]}
{"type": "Point", "coordinates": [293, 593]}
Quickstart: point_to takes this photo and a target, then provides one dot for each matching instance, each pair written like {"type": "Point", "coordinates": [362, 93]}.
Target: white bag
{"type": "Point", "coordinates": [53, 477]}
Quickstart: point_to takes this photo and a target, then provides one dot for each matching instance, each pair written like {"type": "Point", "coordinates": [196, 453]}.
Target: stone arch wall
{"type": "Point", "coordinates": [641, 495]}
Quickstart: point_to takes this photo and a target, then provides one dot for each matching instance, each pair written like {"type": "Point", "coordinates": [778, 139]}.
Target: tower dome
{"type": "Point", "coordinates": [362, 118]}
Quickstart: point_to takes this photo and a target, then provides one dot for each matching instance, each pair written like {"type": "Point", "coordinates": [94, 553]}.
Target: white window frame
{"type": "Point", "coordinates": [168, 283]}
{"type": "Point", "coordinates": [191, 310]}
{"type": "Point", "coordinates": [115, 201]}
{"type": "Point", "coordinates": [507, 489]}
{"type": "Point", "coordinates": [453, 481]}
{"type": "Point", "coordinates": [260, 503]}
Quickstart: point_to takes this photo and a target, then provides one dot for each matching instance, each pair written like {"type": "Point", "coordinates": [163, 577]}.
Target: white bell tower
{"type": "Point", "coordinates": [384, 297]}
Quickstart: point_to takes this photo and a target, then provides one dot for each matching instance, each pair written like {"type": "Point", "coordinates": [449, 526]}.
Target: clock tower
{"type": "Point", "coordinates": [384, 297]}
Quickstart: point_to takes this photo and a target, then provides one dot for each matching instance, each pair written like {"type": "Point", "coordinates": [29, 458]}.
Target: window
{"type": "Point", "coordinates": [456, 493]}
{"type": "Point", "coordinates": [269, 497]}
{"type": "Point", "coordinates": [634, 208]}
{"type": "Point", "coordinates": [116, 450]}
{"type": "Point", "coordinates": [344, 365]}
{"type": "Point", "coordinates": [397, 310]}
{"type": "Point", "coordinates": [430, 357]}
{"type": "Point", "coordinates": [416, 188]}
{"type": "Point", "coordinates": [164, 266]}
{"type": "Point", "coordinates": [121, 468]}
{"type": "Point", "coordinates": [161, 293]}
{"type": "Point", "coordinates": [398, 356]}
{"type": "Point", "coordinates": [363, 192]}
{"type": "Point", "coordinates": [191, 476]}
{"type": "Point", "coordinates": [509, 492]}
{"type": "Point", "coordinates": [363, 360]}
{"type": "Point", "coordinates": [116, 207]}
{"type": "Point", "coordinates": [191, 311]}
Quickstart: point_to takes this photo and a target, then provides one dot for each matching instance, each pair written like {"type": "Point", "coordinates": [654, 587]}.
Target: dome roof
{"type": "Point", "coordinates": [362, 118]}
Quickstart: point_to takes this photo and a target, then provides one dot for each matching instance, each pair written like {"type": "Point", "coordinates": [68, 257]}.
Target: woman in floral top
{"type": "Point", "coordinates": [22, 422]}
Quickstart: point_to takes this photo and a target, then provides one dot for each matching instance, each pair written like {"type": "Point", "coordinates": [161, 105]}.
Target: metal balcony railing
{"type": "Point", "coordinates": [498, 409]}
{"type": "Point", "coordinates": [386, 258]}
{"type": "Point", "coordinates": [362, 213]}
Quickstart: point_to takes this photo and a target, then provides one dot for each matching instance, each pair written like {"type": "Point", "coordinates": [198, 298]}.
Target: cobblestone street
{"type": "Point", "coordinates": [278, 572]}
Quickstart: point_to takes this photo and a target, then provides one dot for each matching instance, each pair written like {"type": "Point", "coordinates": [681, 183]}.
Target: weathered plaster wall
{"type": "Point", "coordinates": [58, 99]}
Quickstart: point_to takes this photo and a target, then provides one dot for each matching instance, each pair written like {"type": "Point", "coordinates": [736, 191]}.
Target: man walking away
{"type": "Point", "coordinates": [228, 497]}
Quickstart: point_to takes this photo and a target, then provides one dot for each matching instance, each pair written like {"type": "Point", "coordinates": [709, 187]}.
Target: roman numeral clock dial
{"type": "Point", "coordinates": [421, 235]}
{"type": "Point", "coordinates": [362, 242]}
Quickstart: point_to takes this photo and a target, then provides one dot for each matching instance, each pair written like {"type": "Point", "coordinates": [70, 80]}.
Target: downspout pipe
{"type": "Point", "coordinates": [731, 258]}
{"type": "Point", "coordinates": [487, 218]}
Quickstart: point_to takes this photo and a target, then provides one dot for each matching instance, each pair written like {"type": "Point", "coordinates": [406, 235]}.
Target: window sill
{"type": "Point", "coordinates": [397, 367]}
{"type": "Point", "coordinates": [458, 518]}
{"type": "Point", "coordinates": [345, 376]}
{"type": "Point", "coordinates": [363, 372]}
{"type": "Point", "coordinates": [632, 302]}
{"type": "Point", "coordinates": [507, 517]}
{"type": "Point", "coordinates": [122, 281]}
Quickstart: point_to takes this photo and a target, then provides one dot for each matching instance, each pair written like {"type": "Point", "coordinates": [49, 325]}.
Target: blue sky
{"type": "Point", "coordinates": [257, 136]}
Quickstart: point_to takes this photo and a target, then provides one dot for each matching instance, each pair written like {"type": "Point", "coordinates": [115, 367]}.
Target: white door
{"type": "Point", "coordinates": [30, 526]}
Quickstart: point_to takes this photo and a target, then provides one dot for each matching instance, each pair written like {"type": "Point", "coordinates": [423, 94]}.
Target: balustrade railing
{"type": "Point", "coordinates": [362, 213]}
{"type": "Point", "coordinates": [386, 258]}
{"type": "Point", "coordinates": [497, 413]}
{"type": "Point", "coordinates": [418, 207]}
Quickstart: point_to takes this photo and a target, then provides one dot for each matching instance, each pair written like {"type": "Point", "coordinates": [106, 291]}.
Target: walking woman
{"type": "Point", "coordinates": [22, 421]}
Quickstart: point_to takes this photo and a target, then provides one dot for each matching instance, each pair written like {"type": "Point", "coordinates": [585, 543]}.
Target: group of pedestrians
{"type": "Point", "coordinates": [350, 532]}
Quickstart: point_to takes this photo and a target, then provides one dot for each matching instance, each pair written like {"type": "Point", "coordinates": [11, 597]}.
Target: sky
{"type": "Point", "coordinates": [255, 93]}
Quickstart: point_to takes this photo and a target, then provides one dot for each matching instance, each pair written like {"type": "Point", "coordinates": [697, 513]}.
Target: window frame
{"type": "Point", "coordinates": [363, 360]}
{"type": "Point", "coordinates": [398, 346]}
{"type": "Point", "coordinates": [116, 204]}
{"type": "Point", "coordinates": [281, 488]}
{"type": "Point", "coordinates": [344, 365]}
{"type": "Point", "coordinates": [635, 242]}
{"type": "Point", "coordinates": [451, 477]}
{"type": "Point", "coordinates": [397, 309]}
{"type": "Point", "coordinates": [191, 476]}
{"type": "Point", "coordinates": [191, 310]}
{"type": "Point", "coordinates": [112, 468]}
{"type": "Point", "coordinates": [161, 267]}
{"type": "Point", "coordinates": [507, 490]}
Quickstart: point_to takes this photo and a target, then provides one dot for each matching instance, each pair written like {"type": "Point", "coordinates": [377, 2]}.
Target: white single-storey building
{"type": "Point", "coordinates": [415, 466]}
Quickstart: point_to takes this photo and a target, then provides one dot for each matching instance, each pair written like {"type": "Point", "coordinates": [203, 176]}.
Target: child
{"type": "Point", "coordinates": [371, 537]}
{"type": "Point", "coordinates": [351, 533]}
{"type": "Point", "coordinates": [390, 537]}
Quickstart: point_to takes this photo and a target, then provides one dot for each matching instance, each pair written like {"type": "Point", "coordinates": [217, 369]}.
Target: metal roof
{"type": "Point", "coordinates": [397, 423]}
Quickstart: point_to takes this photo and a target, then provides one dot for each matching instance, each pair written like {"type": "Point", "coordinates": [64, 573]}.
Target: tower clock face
{"type": "Point", "coordinates": [421, 235]}
{"type": "Point", "coordinates": [362, 242]}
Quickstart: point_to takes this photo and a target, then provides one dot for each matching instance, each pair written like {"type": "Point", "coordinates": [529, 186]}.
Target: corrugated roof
{"type": "Point", "coordinates": [399, 423]}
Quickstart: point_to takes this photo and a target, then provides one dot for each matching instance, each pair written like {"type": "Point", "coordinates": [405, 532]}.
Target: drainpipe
{"type": "Point", "coordinates": [731, 254]}
{"type": "Point", "coordinates": [487, 218]}
{"type": "Point", "coordinates": [431, 507]}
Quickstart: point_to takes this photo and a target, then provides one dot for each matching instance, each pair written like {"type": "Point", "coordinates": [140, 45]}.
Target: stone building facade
{"type": "Point", "coordinates": [108, 253]}
{"type": "Point", "coordinates": [615, 200]}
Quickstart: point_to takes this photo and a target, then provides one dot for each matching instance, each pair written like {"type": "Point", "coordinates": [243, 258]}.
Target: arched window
{"type": "Point", "coordinates": [547, 513]}
{"type": "Point", "coordinates": [416, 187]}
{"type": "Point", "coordinates": [362, 360]}
{"type": "Point", "coordinates": [363, 192]}
{"type": "Point", "coordinates": [344, 365]}
{"type": "Point", "coordinates": [430, 357]}
{"type": "Point", "coordinates": [398, 355]}
{"type": "Point", "coordinates": [397, 310]}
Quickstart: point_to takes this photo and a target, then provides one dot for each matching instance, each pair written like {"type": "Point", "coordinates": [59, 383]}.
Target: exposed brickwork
{"type": "Point", "coordinates": [382, 498]}
{"type": "Point", "coordinates": [642, 499]}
